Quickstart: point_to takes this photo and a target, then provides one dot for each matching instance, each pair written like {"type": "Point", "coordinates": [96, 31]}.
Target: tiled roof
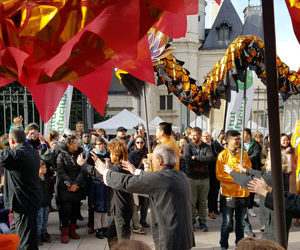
{"type": "Point", "coordinates": [227, 14]}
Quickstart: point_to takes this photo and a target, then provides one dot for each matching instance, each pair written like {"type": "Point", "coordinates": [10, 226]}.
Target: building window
{"type": "Point", "coordinates": [224, 32]}
{"type": "Point", "coordinates": [166, 102]}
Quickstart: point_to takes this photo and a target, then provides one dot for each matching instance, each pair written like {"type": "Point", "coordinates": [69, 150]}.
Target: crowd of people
{"type": "Point", "coordinates": [183, 179]}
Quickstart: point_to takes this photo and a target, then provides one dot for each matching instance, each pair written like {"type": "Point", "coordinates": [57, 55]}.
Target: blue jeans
{"type": "Point", "coordinates": [42, 220]}
{"type": "Point", "coordinates": [227, 213]}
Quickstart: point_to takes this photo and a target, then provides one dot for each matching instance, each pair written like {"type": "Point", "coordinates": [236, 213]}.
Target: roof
{"type": "Point", "coordinates": [157, 120]}
{"type": "Point", "coordinates": [253, 22]}
{"type": "Point", "coordinates": [125, 119]}
{"type": "Point", "coordinates": [227, 14]}
{"type": "Point", "coordinates": [116, 87]}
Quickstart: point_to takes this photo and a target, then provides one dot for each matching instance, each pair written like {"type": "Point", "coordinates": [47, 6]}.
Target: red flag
{"type": "Point", "coordinates": [47, 97]}
{"type": "Point", "coordinates": [218, 2]}
{"type": "Point", "coordinates": [294, 9]}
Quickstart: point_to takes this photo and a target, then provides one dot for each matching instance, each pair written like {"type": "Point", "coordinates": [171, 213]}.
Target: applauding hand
{"type": "Point", "coordinates": [81, 160]}
{"type": "Point", "coordinates": [101, 166]}
{"type": "Point", "coordinates": [259, 187]}
{"type": "Point", "coordinates": [128, 167]}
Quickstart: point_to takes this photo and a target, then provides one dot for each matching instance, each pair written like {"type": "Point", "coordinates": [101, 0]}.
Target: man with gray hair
{"type": "Point", "coordinates": [169, 194]}
{"type": "Point", "coordinates": [22, 193]}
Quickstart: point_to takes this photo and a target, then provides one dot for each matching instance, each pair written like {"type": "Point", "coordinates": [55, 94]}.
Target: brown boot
{"type": "Point", "coordinates": [64, 235]}
{"type": "Point", "coordinates": [72, 232]}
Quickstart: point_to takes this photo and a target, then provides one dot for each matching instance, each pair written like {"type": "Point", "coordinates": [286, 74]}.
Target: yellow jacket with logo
{"type": "Point", "coordinates": [228, 187]}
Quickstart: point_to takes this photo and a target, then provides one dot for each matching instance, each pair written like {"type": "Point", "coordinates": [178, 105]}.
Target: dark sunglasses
{"type": "Point", "coordinates": [139, 142]}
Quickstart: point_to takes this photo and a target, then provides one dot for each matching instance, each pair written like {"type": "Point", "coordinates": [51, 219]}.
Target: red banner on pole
{"type": "Point", "coordinates": [294, 10]}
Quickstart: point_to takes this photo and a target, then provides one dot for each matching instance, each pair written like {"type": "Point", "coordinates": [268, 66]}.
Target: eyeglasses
{"type": "Point", "coordinates": [139, 142]}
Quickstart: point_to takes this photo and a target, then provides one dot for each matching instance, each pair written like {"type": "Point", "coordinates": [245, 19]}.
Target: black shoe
{"type": "Point", "coordinates": [105, 232]}
{"type": "Point", "coordinates": [145, 224]}
{"type": "Point", "coordinates": [99, 234]}
{"type": "Point", "coordinates": [46, 238]}
{"type": "Point", "coordinates": [39, 242]}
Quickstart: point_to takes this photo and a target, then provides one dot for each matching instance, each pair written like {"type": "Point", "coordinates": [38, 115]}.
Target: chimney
{"type": "Point", "coordinates": [252, 10]}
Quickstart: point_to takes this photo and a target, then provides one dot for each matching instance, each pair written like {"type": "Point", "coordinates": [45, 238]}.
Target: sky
{"type": "Point", "coordinates": [287, 46]}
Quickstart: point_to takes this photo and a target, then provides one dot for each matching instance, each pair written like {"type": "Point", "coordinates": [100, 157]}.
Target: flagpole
{"type": "Point", "coordinates": [147, 123]}
{"type": "Point", "coordinates": [273, 119]}
{"type": "Point", "coordinates": [244, 117]}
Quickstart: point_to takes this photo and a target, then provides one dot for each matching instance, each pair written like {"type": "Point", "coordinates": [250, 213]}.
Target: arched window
{"type": "Point", "coordinates": [224, 31]}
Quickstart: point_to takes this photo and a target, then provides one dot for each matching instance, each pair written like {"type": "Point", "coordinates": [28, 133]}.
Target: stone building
{"type": "Point", "coordinates": [200, 50]}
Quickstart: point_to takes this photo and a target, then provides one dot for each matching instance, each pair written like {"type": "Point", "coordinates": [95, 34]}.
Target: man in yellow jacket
{"type": "Point", "coordinates": [234, 198]}
{"type": "Point", "coordinates": [163, 136]}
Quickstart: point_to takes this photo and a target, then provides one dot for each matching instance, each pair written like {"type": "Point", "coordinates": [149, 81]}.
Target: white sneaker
{"type": "Point", "coordinates": [251, 212]}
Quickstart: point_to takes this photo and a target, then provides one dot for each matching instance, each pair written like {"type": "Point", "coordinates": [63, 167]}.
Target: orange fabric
{"type": "Point", "coordinates": [9, 241]}
{"type": "Point", "coordinates": [228, 187]}
{"type": "Point", "coordinates": [2, 146]}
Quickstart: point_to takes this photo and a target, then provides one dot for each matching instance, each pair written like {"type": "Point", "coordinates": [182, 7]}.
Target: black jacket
{"type": "Point", "coordinates": [254, 153]}
{"type": "Point", "coordinates": [69, 173]}
{"type": "Point", "coordinates": [170, 201]}
{"type": "Point", "coordinates": [135, 157]}
{"type": "Point", "coordinates": [21, 182]}
{"type": "Point", "coordinates": [47, 190]}
{"type": "Point", "coordinates": [197, 168]}
{"type": "Point", "coordinates": [292, 203]}
{"type": "Point", "coordinates": [122, 202]}
{"type": "Point", "coordinates": [243, 180]}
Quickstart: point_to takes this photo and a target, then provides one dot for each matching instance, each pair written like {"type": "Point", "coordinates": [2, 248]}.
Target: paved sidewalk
{"type": "Point", "coordinates": [204, 240]}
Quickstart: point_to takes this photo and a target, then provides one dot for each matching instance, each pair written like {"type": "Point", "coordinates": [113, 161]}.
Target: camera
{"type": "Point", "coordinates": [136, 128]}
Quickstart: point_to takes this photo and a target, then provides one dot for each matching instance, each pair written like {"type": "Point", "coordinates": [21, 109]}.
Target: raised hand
{"type": "Point", "coordinates": [241, 168]}
{"type": "Point", "coordinates": [128, 167]}
{"type": "Point", "coordinates": [101, 166]}
{"type": "Point", "coordinates": [228, 169]}
{"type": "Point", "coordinates": [81, 160]}
{"type": "Point", "coordinates": [259, 187]}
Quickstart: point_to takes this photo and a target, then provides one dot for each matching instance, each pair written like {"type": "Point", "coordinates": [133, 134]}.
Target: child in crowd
{"type": "Point", "coordinates": [98, 200]}
{"type": "Point", "coordinates": [46, 196]}
{"type": "Point", "coordinates": [17, 123]}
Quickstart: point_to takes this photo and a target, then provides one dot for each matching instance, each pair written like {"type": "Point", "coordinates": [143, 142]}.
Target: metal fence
{"type": "Point", "coordinates": [289, 112]}
{"type": "Point", "coordinates": [16, 100]}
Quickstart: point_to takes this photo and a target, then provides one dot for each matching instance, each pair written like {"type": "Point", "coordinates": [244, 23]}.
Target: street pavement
{"type": "Point", "coordinates": [204, 240]}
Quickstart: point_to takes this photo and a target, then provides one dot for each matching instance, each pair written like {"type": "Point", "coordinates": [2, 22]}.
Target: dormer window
{"type": "Point", "coordinates": [224, 31]}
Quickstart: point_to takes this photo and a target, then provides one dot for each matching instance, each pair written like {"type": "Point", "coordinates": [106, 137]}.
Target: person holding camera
{"type": "Point", "coordinates": [234, 197]}
{"type": "Point", "coordinates": [36, 139]}
{"type": "Point", "coordinates": [139, 131]}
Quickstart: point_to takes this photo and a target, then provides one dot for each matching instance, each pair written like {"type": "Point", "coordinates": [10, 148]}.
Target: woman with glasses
{"type": "Point", "coordinates": [71, 184]}
{"type": "Point", "coordinates": [136, 157]}
{"type": "Point", "coordinates": [98, 193]}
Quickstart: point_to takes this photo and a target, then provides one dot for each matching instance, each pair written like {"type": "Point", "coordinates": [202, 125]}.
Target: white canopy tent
{"type": "Point", "coordinates": [124, 119]}
{"type": "Point", "coordinates": [157, 120]}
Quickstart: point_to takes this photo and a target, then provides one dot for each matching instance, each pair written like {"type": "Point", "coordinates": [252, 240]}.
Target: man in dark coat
{"type": "Point", "coordinates": [169, 193]}
{"type": "Point", "coordinates": [21, 187]}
